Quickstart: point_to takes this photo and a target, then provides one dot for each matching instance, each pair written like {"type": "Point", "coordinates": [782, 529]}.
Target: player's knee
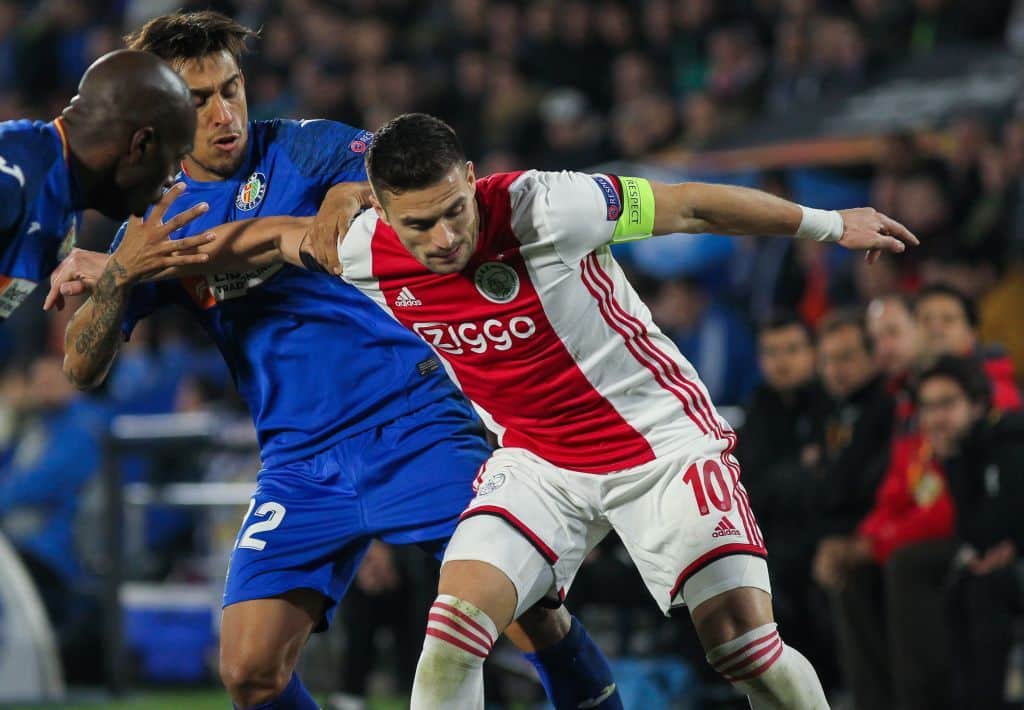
{"type": "Point", "coordinates": [539, 627]}
{"type": "Point", "coordinates": [728, 616]}
{"type": "Point", "coordinates": [253, 678]}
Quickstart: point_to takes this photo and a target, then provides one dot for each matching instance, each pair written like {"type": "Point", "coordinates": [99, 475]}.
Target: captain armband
{"type": "Point", "coordinates": [637, 218]}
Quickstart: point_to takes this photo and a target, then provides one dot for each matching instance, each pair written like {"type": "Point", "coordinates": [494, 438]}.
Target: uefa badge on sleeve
{"type": "Point", "coordinates": [251, 193]}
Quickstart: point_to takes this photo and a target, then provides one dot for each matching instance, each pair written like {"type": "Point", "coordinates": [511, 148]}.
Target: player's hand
{"type": "Point", "coordinates": [997, 557]}
{"type": "Point", "coordinates": [867, 228]}
{"type": "Point", "coordinates": [74, 276]}
{"type": "Point", "coordinates": [147, 251]}
{"type": "Point", "coordinates": [340, 206]}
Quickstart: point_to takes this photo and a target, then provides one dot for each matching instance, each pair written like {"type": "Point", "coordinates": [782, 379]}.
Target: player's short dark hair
{"type": "Point", "coordinates": [782, 319]}
{"type": "Point", "coordinates": [967, 372]}
{"type": "Point", "coordinates": [185, 36]}
{"type": "Point", "coordinates": [412, 151]}
{"type": "Point", "coordinates": [846, 318]}
{"type": "Point", "coordinates": [940, 289]}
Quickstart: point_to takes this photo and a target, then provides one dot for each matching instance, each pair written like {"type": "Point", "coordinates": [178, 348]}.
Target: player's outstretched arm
{"type": "Point", "coordinates": [728, 209]}
{"type": "Point", "coordinates": [252, 244]}
{"type": "Point", "coordinates": [93, 335]}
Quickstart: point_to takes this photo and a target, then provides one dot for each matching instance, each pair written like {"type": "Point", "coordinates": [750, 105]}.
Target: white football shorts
{"type": "Point", "coordinates": [685, 521]}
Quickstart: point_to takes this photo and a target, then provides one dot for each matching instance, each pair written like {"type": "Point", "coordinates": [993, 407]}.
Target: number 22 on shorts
{"type": "Point", "coordinates": [274, 514]}
{"type": "Point", "coordinates": [708, 483]}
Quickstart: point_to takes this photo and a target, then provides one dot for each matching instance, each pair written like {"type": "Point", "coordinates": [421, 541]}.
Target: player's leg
{"type": "Point", "coordinates": [501, 561]}
{"type": "Point", "coordinates": [261, 641]}
{"type": "Point", "coordinates": [692, 515]}
{"type": "Point", "coordinates": [475, 603]}
{"type": "Point", "coordinates": [739, 634]}
{"type": "Point", "coordinates": [296, 553]}
{"type": "Point", "coordinates": [423, 467]}
{"type": "Point", "coordinates": [571, 666]}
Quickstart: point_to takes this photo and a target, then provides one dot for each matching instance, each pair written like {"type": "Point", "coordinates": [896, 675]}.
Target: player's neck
{"type": "Point", "coordinates": [198, 172]}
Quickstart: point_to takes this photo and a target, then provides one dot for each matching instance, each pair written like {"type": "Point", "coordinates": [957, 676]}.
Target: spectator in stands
{"type": "Point", "coordinates": [57, 451]}
{"type": "Point", "coordinates": [896, 338]}
{"type": "Point", "coordinates": [949, 323]}
{"type": "Point", "coordinates": [984, 460]}
{"type": "Point", "coordinates": [781, 424]}
{"type": "Point", "coordinates": [857, 424]}
{"type": "Point", "coordinates": [572, 134]}
{"type": "Point", "coordinates": [883, 577]}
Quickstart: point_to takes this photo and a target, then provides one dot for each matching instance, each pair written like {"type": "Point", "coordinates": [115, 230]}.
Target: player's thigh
{"type": "Point", "coordinates": [528, 525]}
{"type": "Point", "coordinates": [263, 637]}
{"type": "Point", "coordinates": [302, 531]}
{"type": "Point", "coordinates": [679, 516]}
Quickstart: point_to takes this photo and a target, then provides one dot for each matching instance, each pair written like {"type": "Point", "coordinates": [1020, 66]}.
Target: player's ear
{"type": "Point", "coordinates": [378, 208]}
{"type": "Point", "coordinates": [143, 142]}
{"type": "Point", "coordinates": [471, 175]}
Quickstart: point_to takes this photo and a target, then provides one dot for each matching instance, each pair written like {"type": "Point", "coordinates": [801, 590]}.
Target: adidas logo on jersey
{"type": "Point", "coordinates": [724, 528]}
{"type": "Point", "coordinates": [406, 299]}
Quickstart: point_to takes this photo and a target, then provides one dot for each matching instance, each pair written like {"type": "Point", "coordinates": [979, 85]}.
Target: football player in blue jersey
{"type": "Point", "coordinates": [362, 435]}
{"type": "Point", "coordinates": [113, 149]}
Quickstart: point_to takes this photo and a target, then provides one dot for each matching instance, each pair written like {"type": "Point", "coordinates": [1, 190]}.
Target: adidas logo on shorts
{"type": "Point", "coordinates": [406, 299]}
{"type": "Point", "coordinates": [725, 527]}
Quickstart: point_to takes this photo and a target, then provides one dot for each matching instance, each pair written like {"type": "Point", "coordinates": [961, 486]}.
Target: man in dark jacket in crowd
{"type": "Point", "coordinates": [983, 454]}
{"type": "Point", "coordinates": [856, 426]}
{"type": "Point", "coordinates": [780, 430]}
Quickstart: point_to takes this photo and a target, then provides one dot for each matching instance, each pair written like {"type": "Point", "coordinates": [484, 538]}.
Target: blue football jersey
{"type": "Point", "coordinates": [315, 360]}
{"type": "Point", "coordinates": [38, 217]}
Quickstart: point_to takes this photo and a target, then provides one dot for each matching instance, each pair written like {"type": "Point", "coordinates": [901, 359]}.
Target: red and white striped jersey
{"type": "Point", "coordinates": [541, 330]}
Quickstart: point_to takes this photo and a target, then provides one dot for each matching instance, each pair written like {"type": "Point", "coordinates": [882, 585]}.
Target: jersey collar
{"type": "Point", "coordinates": [74, 192]}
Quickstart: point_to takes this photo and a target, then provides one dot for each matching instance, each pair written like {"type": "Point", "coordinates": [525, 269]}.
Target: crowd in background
{"type": "Point", "coordinates": [881, 443]}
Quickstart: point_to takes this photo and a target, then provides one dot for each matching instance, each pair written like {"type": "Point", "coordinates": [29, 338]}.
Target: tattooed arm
{"type": "Point", "coordinates": [93, 335]}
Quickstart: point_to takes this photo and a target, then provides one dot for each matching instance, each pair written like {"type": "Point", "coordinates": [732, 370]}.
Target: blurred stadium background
{"type": "Point", "coordinates": [118, 508]}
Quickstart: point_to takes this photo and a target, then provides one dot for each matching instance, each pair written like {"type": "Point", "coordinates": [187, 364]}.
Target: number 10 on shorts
{"type": "Point", "coordinates": [708, 483]}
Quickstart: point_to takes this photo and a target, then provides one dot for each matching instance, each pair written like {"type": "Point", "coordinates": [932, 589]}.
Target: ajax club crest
{"type": "Point", "coordinates": [251, 193]}
{"type": "Point", "coordinates": [499, 283]}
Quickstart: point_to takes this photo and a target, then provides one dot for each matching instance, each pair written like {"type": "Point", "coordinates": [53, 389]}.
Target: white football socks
{"type": "Point", "coordinates": [450, 670]}
{"type": "Point", "coordinates": [771, 674]}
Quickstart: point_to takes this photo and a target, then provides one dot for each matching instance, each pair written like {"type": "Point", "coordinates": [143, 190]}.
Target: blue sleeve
{"type": "Point", "coordinates": [144, 299]}
{"type": "Point", "coordinates": [327, 151]}
{"type": "Point", "coordinates": [57, 473]}
{"type": "Point", "coordinates": [12, 195]}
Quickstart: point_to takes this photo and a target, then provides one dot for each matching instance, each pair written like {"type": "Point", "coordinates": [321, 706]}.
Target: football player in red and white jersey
{"type": "Point", "coordinates": [603, 424]}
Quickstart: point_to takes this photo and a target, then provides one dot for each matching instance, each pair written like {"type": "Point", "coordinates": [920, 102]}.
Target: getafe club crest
{"type": "Point", "coordinates": [251, 193]}
{"type": "Point", "coordinates": [497, 282]}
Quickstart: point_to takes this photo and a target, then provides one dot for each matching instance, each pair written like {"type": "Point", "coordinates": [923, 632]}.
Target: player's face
{"type": "Point", "coordinates": [218, 92]}
{"type": "Point", "coordinates": [437, 224]}
{"type": "Point", "coordinates": [946, 413]}
{"type": "Point", "coordinates": [846, 365]}
{"type": "Point", "coordinates": [895, 336]}
{"type": "Point", "coordinates": [944, 326]}
{"type": "Point", "coordinates": [786, 357]}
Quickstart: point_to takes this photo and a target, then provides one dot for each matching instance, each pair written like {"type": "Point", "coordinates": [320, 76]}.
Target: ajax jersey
{"type": "Point", "coordinates": [542, 331]}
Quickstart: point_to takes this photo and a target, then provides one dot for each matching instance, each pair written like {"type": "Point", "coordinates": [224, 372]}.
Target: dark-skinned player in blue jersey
{"type": "Point", "coordinates": [362, 435]}
{"type": "Point", "coordinates": [113, 149]}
